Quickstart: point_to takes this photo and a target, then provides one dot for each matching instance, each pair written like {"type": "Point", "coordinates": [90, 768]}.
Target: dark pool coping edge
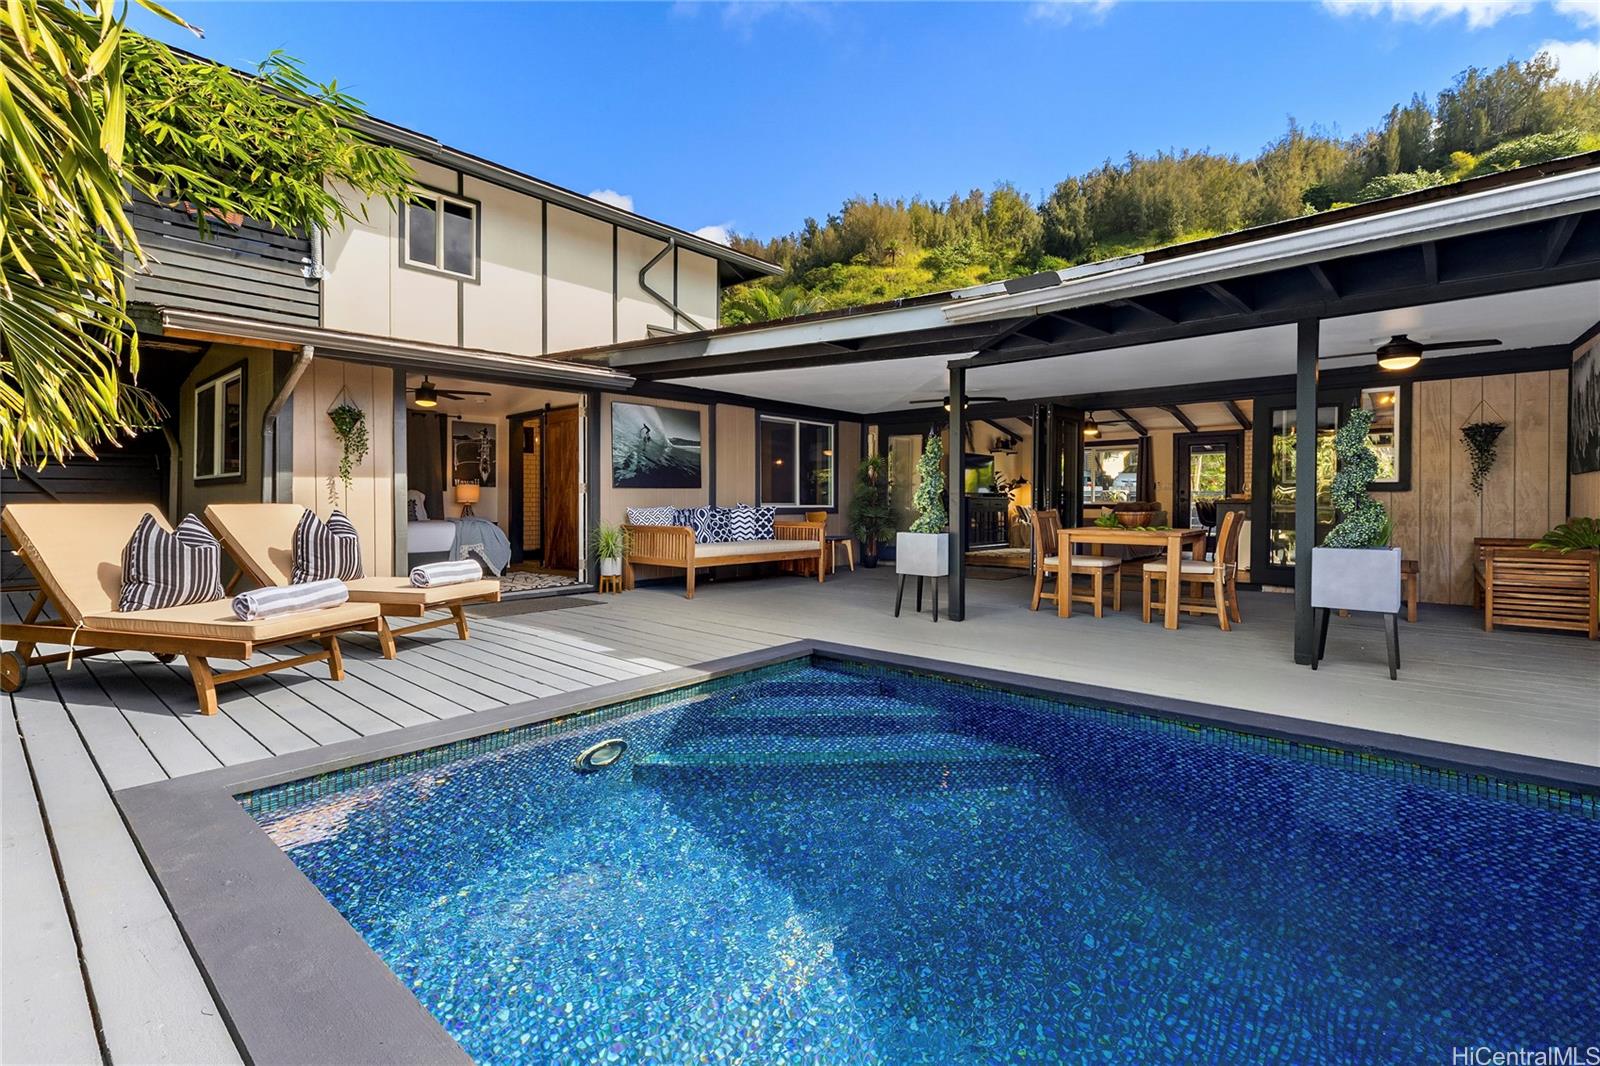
{"type": "Point", "coordinates": [297, 984]}
{"type": "Point", "coordinates": [1510, 767]}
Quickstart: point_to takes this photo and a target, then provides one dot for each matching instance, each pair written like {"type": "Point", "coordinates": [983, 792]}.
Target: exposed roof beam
{"type": "Point", "coordinates": [1082, 319]}
{"type": "Point", "coordinates": [1138, 427]}
{"type": "Point", "coordinates": [1144, 306]}
{"type": "Point", "coordinates": [1561, 232]}
{"type": "Point", "coordinates": [1184, 420]}
{"type": "Point", "coordinates": [1320, 276]}
{"type": "Point", "coordinates": [1238, 413]}
{"type": "Point", "coordinates": [1228, 298]}
{"type": "Point", "coordinates": [1430, 262]}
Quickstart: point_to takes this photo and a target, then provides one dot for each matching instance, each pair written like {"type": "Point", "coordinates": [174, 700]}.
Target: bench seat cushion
{"type": "Point", "coordinates": [215, 621]}
{"type": "Point", "coordinates": [727, 548]}
{"type": "Point", "coordinates": [401, 590]}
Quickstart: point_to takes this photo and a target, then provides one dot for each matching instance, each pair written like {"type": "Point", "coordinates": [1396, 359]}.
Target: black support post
{"type": "Point", "coordinates": [955, 459]}
{"type": "Point", "coordinates": [1305, 486]}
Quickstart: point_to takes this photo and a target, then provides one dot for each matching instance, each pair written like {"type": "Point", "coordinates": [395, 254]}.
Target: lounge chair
{"type": "Point", "coordinates": [259, 537]}
{"type": "Point", "coordinates": [74, 551]}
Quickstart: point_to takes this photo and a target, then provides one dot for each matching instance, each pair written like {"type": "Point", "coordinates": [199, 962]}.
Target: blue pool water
{"type": "Point", "coordinates": [831, 862]}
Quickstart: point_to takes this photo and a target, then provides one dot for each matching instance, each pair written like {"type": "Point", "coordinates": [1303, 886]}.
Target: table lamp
{"type": "Point", "coordinates": [467, 493]}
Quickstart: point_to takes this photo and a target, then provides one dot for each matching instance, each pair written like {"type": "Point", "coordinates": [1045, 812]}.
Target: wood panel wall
{"type": "Point", "coordinates": [1526, 491]}
{"type": "Point", "coordinates": [369, 502]}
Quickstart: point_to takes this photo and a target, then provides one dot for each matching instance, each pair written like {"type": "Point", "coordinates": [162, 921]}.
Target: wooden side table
{"type": "Point", "coordinates": [1409, 570]}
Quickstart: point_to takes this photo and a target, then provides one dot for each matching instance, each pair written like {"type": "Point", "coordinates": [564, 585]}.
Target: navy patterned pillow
{"type": "Point", "coordinates": [750, 523]}
{"type": "Point", "coordinates": [703, 521]}
{"type": "Point", "coordinates": [652, 516]}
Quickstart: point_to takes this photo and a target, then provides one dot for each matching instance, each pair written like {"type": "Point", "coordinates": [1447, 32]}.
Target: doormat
{"type": "Point", "coordinates": [533, 581]}
{"type": "Point", "coordinates": [537, 605]}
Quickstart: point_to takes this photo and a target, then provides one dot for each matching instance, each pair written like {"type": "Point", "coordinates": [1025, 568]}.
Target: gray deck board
{"type": "Point", "coordinates": [105, 726]}
{"type": "Point", "coordinates": [44, 1003]}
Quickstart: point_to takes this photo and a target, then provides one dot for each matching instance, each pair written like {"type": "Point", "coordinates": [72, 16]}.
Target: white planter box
{"type": "Point", "coordinates": [1356, 579]}
{"type": "Point", "coordinates": [922, 554]}
{"type": "Point", "coordinates": [610, 567]}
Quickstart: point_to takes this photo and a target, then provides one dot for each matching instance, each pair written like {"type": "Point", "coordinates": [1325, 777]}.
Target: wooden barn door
{"type": "Point", "coordinates": [561, 548]}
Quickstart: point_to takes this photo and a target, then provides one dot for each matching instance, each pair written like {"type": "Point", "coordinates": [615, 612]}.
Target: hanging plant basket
{"type": "Point", "coordinates": [1480, 437]}
{"type": "Point", "coordinates": [350, 426]}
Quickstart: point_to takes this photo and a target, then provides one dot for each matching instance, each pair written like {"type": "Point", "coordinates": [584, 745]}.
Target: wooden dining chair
{"type": "Point", "coordinates": [834, 541]}
{"type": "Point", "coordinates": [1221, 573]}
{"type": "Point", "coordinates": [1047, 534]}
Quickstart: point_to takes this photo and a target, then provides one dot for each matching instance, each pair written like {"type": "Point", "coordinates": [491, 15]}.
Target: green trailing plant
{"type": "Point", "coordinates": [609, 541]}
{"type": "Point", "coordinates": [1108, 520]}
{"type": "Point", "coordinates": [350, 426]}
{"type": "Point", "coordinates": [1481, 439]}
{"type": "Point", "coordinates": [1576, 534]}
{"type": "Point", "coordinates": [91, 114]}
{"type": "Point", "coordinates": [1363, 522]}
{"type": "Point", "coordinates": [930, 497]}
{"type": "Point", "coordinates": [871, 516]}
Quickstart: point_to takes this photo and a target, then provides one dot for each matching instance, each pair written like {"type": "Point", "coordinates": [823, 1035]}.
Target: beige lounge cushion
{"type": "Point", "coordinates": [75, 549]}
{"type": "Point", "coordinates": [1085, 562]}
{"type": "Point", "coordinates": [215, 621]}
{"type": "Point", "coordinates": [401, 590]}
{"type": "Point", "coordinates": [259, 536]}
{"type": "Point", "coordinates": [1197, 567]}
{"type": "Point", "coordinates": [754, 547]}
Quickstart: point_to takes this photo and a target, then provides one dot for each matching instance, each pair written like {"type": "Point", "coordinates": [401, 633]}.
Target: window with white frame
{"type": "Point", "coordinates": [441, 233]}
{"type": "Point", "coordinates": [219, 427]}
{"type": "Point", "coordinates": [797, 465]}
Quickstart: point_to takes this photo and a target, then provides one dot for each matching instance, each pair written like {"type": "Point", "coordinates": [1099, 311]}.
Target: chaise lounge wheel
{"type": "Point", "coordinates": [165, 657]}
{"type": "Point", "coordinates": [13, 672]}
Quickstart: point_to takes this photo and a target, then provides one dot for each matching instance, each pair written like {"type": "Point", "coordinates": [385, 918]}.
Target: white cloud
{"type": "Point", "coordinates": [722, 234]}
{"type": "Point", "coordinates": [614, 198]}
{"type": "Point", "coordinates": [1578, 60]}
{"type": "Point", "coordinates": [1583, 12]}
{"type": "Point", "coordinates": [1062, 12]}
{"type": "Point", "coordinates": [1478, 13]}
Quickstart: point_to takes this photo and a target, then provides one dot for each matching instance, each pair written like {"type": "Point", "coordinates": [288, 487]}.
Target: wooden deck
{"type": "Point", "coordinates": [95, 968]}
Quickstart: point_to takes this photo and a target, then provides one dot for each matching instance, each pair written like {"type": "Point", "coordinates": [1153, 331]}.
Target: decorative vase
{"type": "Point", "coordinates": [922, 554]}
{"type": "Point", "coordinates": [1356, 579]}
{"type": "Point", "coordinates": [610, 567]}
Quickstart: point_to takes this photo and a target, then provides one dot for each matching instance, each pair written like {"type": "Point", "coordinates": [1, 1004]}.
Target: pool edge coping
{"type": "Point", "coordinates": [294, 982]}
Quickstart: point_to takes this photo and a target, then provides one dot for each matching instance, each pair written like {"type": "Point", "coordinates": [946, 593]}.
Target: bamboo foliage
{"type": "Point", "coordinates": [91, 112]}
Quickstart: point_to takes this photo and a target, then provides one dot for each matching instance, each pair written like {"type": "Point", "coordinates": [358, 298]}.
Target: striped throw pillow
{"type": "Point", "coordinates": [324, 550]}
{"type": "Point", "coordinates": [162, 569]}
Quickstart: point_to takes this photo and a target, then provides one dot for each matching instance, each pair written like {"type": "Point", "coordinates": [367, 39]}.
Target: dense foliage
{"type": "Point", "coordinates": [932, 513]}
{"type": "Point", "coordinates": [91, 113]}
{"type": "Point", "coordinates": [879, 249]}
{"type": "Point", "coordinates": [1363, 522]}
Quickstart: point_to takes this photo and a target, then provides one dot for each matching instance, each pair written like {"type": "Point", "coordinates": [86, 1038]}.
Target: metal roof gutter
{"type": "Point", "coordinates": [474, 363]}
{"type": "Point", "coordinates": [1545, 198]}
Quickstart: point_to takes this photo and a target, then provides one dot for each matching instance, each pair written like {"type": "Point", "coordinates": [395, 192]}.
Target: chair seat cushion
{"type": "Point", "coordinates": [215, 621]}
{"type": "Point", "coordinates": [753, 547]}
{"type": "Point", "coordinates": [1197, 567]}
{"type": "Point", "coordinates": [1085, 563]}
{"type": "Point", "coordinates": [401, 590]}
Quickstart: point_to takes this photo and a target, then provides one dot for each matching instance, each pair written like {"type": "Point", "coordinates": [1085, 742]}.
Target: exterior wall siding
{"type": "Point", "coordinates": [369, 502]}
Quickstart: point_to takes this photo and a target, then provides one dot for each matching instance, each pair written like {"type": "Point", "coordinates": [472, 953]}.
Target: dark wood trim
{"type": "Point", "coordinates": [1232, 439]}
{"type": "Point", "coordinates": [1176, 411]}
{"type": "Point", "coordinates": [955, 491]}
{"type": "Point", "coordinates": [659, 390]}
{"type": "Point", "coordinates": [1308, 339]}
{"type": "Point", "coordinates": [402, 475]}
{"type": "Point", "coordinates": [1586, 336]}
{"type": "Point", "coordinates": [797, 508]}
{"type": "Point", "coordinates": [1132, 422]}
{"type": "Point", "coordinates": [716, 447]}
{"type": "Point", "coordinates": [242, 368]}
{"type": "Point", "coordinates": [1238, 414]}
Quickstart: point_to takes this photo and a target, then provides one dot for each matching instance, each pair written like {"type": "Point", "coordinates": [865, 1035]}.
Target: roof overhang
{"type": "Point", "coordinates": [475, 363]}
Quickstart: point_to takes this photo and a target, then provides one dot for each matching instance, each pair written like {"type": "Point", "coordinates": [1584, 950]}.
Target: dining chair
{"type": "Point", "coordinates": [1221, 573]}
{"type": "Point", "coordinates": [834, 541]}
{"type": "Point", "coordinates": [1047, 533]}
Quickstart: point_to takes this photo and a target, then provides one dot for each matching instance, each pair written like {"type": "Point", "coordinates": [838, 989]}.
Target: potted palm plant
{"type": "Point", "coordinates": [1355, 569]}
{"type": "Point", "coordinates": [610, 544]}
{"type": "Point", "coordinates": [871, 517]}
{"type": "Point", "coordinates": [925, 550]}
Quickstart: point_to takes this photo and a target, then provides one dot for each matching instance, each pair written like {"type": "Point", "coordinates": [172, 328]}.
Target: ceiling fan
{"type": "Point", "coordinates": [1400, 352]}
{"type": "Point", "coordinates": [428, 393]}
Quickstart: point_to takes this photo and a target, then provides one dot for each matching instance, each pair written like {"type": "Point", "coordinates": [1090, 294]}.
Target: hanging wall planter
{"type": "Point", "coordinates": [350, 426]}
{"type": "Point", "coordinates": [1480, 438]}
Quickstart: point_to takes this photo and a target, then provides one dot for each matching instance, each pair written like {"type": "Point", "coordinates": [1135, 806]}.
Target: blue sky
{"type": "Point", "coordinates": [756, 115]}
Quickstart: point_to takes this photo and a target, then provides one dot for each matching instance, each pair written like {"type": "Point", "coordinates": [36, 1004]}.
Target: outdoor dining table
{"type": "Point", "coordinates": [1174, 541]}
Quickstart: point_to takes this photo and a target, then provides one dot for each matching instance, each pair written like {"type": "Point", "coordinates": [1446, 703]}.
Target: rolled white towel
{"type": "Point", "coordinates": [287, 599]}
{"type": "Point", "coordinates": [452, 573]}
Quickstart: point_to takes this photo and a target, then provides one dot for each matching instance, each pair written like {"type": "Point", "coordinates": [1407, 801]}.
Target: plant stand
{"type": "Point", "coordinates": [921, 555]}
{"type": "Point", "coordinates": [1357, 579]}
{"type": "Point", "coordinates": [901, 593]}
{"type": "Point", "coordinates": [610, 583]}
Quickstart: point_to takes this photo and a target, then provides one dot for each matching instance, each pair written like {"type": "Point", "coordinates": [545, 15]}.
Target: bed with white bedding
{"type": "Point", "coordinates": [436, 539]}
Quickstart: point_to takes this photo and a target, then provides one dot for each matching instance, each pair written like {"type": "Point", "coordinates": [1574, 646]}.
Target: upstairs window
{"type": "Point", "coordinates": [796, 463]}
{"type": "Point", "coordinates": [441, 233]}
{"type": "Point", "coordinates": [219, 427]}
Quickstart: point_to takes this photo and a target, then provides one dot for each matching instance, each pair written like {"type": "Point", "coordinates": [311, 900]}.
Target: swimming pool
{"type": "Point", "coordinates": [844, 862]}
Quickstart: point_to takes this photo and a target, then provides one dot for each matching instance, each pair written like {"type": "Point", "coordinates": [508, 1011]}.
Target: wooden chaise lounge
{"type": "Point", "coordinates": [74, 551]}
{"type": "Point", "coordinates": [259, 537]}
{"type": "Point", "coordinates": [674, 547]}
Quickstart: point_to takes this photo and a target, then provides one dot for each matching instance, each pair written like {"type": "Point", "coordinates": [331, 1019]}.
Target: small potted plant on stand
{"type": "Point", "coordinates": [610, 544]}
{"type": "Point", "coordinates": [1355, 569]}
{"type": "Point", "coordinates": [925, 550]}
{"type": "Point", "coordinates": [871, 517]}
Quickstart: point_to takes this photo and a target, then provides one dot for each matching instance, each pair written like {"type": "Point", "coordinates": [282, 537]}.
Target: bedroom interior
{"type": "Point", "coordinates": [493, 474]}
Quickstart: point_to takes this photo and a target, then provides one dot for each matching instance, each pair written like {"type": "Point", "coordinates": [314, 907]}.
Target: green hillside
{"type": "Point", "coordinates": [880, 249]}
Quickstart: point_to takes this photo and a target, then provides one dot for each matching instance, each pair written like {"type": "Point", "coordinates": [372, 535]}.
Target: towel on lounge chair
{"type": "Point", "coordinates": [429, 575]}
{"type": "Point", "coordinates": [287, 599]}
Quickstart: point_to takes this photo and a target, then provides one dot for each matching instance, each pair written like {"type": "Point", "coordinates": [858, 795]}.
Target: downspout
{"type": "Point", "coordinates": [671, 246]}
{"type": "Point", "coordinates": [269, 423]}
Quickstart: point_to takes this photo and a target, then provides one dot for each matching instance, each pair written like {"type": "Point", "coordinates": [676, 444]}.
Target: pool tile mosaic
{"type": "Point", "coordinates": [837, 862]}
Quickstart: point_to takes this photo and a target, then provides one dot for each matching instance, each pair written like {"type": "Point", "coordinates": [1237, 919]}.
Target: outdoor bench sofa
{"type": "Point", "coordinates": [674, 547]}
{"type": "Point", "coordinates": [1518, 585]}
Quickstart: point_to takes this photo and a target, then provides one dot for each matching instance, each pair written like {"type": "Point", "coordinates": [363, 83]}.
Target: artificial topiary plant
{"type": "Point", "coordinates": [930, 500]}
{"type": "Point", "coordinates": [1363, 521]}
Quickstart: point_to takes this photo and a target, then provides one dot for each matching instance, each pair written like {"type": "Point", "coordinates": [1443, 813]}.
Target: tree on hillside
{"type": "Point", "coordinates": [92, 112]}
{"type": "Point", "coordinates": [762, 303]}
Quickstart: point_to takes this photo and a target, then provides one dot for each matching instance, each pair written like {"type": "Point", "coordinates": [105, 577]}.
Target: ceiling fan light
{"type": "Point", "coordinates": [1091, 428]}
{"type": "Point", "coordinates": [1403, 360]}
{"type": "Point", "coordinates": [426, 396]}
